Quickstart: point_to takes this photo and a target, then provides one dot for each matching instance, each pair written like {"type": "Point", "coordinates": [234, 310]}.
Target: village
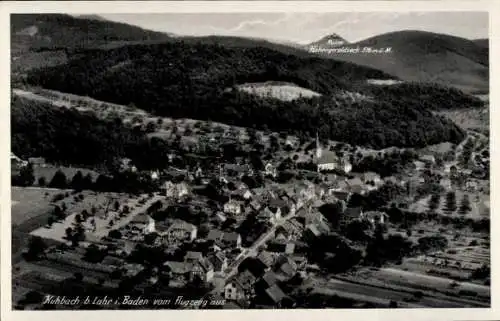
{"type": "Point", "coordinates": [246, 236]}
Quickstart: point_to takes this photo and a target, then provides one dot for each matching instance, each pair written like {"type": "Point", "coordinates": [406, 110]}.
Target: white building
{"type": "Point", "coordinates": [175, 190]}
{"type": "Point", "coordinates": [328, 160]}
{"type": "Point", "coordinates": [150, 226]}
{"type": "Point", "coordinates": [325, 160]}
{"type": "Point", "coordinates": [232, 207]}
{"type": "Point", "coordinates": [155, 175]}
{"type": "Point", "coordinates": [270, 170]}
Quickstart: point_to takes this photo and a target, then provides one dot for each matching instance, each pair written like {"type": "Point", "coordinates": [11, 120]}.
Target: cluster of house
{"type": "Point", "coordinates": [260, 277]}
{"type": "Point", "coordinates": [170, 232]}
{"type": "Point", "coordinates": [448, 176]}
{"type": "Point", "coordinates": [195, 265]}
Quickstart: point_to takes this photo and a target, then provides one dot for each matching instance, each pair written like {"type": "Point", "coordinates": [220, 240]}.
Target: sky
{"type": "Point", "coordinates": [307, 27]}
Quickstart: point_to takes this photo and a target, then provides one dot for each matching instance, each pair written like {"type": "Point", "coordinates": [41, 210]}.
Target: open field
{"type": "Point", "coordinates": [280, 90]}
{"type": "Point", "coordinates": [27, 203]}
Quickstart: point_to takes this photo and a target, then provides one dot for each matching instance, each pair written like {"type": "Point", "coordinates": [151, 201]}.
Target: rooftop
{"type": "Point", "coordinates": [270, 278]}
{"type": "Point", "coordinates": [314, 229]}
{"type": "Point", "coordinates": [230, 237]}
{"type": "Point", "coordinates": [275, 293]}
{"type": "Point", "coordinates": [141, 219]}
{"type": "Point", "coordinates": [328, 157]}
{"type": "Point", "coordinates": [353, 212]}
{"type": "Point", "coordinates": [266, 258]}
{"type": "Point", "coordinates": [193, 256]}
{"type": "Point", "coordinates": [178, 267]}
{"type": "Point", "coordinates": [215, 235]}
{"type": "Point", "coordinates": [182, 225]}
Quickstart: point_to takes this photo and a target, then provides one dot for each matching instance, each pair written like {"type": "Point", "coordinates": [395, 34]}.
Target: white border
{"type": "Point", "coordinates": [87, 7]}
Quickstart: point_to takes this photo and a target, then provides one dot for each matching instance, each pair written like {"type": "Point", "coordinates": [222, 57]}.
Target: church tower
{"type": "Point", "coordinates": [319, 150]}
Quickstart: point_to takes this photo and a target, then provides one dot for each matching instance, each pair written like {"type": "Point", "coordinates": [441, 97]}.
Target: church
{"type": "Point", "coordinates": [327, 160]}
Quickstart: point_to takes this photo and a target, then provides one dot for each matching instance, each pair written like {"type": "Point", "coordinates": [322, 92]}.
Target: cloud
{"type": "Point", "coordinates": [260, 23]}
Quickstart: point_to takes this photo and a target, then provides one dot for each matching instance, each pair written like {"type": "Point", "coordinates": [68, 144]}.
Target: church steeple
{"type": "Point", "coordinates": [319, 149]}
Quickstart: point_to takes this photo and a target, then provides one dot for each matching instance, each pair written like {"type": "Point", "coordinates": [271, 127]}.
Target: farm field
{"type": "Point", "coordinates": [27, 203]}
{"type": "Point", "coordinates": [379, 291]}
{"type": "Point", "coordinates": [417, 281]}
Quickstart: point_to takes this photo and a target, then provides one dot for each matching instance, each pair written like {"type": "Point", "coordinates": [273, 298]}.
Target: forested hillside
{"type": "Point", "coordinates": [425, 95]}
{"type": "Point", "coordinates": [191, 81]}
{"type": "Point", "coordinates": [61, 31]}
{"type": "Point", "coordinates": [67, 136]}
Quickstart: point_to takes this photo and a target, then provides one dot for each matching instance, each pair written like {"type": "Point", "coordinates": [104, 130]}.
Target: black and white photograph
{"type": "Point", "coordinates": [250, 160]}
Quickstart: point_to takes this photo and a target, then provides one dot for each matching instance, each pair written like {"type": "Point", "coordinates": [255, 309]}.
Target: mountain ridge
{"type": "Point", "coordinates": [424, 56]}
{"type": "Point", "coordinates": [57, 31]}
{"type": "Point", "coordinates": [328, 41]}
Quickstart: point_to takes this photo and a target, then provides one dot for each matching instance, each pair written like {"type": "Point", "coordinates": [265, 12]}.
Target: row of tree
{"type": "Point", "coordinates": [450, 203]}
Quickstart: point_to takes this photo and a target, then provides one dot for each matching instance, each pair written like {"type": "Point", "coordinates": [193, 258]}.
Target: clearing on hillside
{"type": "Point", "coordinates": [280, 90]}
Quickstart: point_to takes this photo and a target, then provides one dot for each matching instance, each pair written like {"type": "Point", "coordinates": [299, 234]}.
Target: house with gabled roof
{"type": "Point", "coordinates": [255, 204]}
{"type": "Point", "coordinates": [175, 190]}
{"type": "Point", "coordinates": [266, 258]}
{"type": "Point", "coordinates": [274, 210]}
{"type": "Point", "coordinates": [289, 230]}
{"type": "Point", "coordinates": [428, 159]}
{"type": "Point", "coordinates": [349, 215]}
{"type": "Point", "coordinates": [269, 279]}
{"type": "Point", "coordinates": [215, 235]}
{"type": "Point", "coordinates": [145, 223]}
{"type": "Point", "coordinates": [240, 287]}
{"type": "Point", "coordinates": [219, 261]}
{"type": "Point", "coordinates": [231, 239]}
{"type": "Point", "coordinates": [192, 256]}
{"type": "Point", "coordinates": [311, 232]}
{"type": "Point", "coordinates": [375, 217]}
{"type": "Point", "coordinates": [233, 207]}
{"type": "Point", "coordinates": [276, 294]}
{"type": "Point", "coordinates": [277, 246]}
{"type": "Point", "coordinates": [285, 268]}
{"type": "Point", "coordinates": [179, 231]}
{"type": "Point", "coordinates": [341, 195]}
{"type": "Point", "coordinates": [372, 178]}
{"type": "Point", "coordinates": [203, 269]}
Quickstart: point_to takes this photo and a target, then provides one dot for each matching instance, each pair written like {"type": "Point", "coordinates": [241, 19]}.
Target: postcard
{"type": "Point", "coordinates": [272, 159]}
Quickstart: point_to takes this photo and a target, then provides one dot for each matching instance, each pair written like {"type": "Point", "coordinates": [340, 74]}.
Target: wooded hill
{"type": "Point", "coordinates": [196, 80]}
